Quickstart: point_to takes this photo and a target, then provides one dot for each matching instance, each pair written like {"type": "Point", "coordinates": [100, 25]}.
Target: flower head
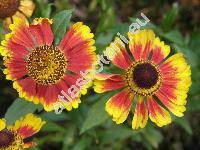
{"type": "Point", "coordinates": [11, 9]}
{"type": "Point", "coordinates": [13, 137]}
{"type": "Point", "coordinates": [39, 69]}
{"type": "Point", "coordinates": [155, 82]}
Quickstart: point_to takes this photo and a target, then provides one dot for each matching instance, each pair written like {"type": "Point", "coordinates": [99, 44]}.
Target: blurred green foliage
{"type": "Point", "coordinates": [89, 126]}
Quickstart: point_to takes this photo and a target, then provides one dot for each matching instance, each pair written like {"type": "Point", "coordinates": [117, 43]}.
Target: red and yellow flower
{"type": "Point", "coordinates": [13, 137]}
{"type": "Point", "coordinates": [11, 9]}
{"type": "Point", "coordinates": [157, 82]}
{"type": "Point", "coordinates": [39, 69]}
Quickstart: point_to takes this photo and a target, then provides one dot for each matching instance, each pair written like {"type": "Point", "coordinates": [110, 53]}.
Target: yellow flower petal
{"type": "Point", "coordinates": [2, 124]}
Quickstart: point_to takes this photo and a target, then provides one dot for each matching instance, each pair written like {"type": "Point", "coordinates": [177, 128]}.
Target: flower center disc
{"type": "Point", "coordinates": [6, 138]}
{"type": "Point", "coordinates": [8, 8]}
{"type": "Point", "coordinates": [10, 140]}
{"type": "Point", "coordinates": [143, 78]}
{"type": "Point", "coordinates": [46, 65]}
{"type": "Point", "coordinates": [145, 75]}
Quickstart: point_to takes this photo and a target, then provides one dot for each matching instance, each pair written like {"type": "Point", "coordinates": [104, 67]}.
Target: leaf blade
{"type": "Point", "coordinates": [61, 22]}
{"type": "Point", "coordinates": [18, 109]}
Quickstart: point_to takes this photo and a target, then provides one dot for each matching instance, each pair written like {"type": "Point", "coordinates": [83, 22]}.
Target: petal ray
{"type": "Point", "coordinates": [119, 106]}
{"type": "Point", "coordinates": [157, 114]}
{"type": "Point", "coordinates": [106, 82]}
{"type": "Point", "coordinates": [140, 115]}
{"type": "Point", "coordinates": [117, 53]}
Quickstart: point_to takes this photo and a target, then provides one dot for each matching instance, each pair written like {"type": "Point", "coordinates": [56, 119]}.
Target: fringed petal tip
{"type": "Point", "coordinates": [17, 23]}
{"type": "Point", "coordinates": [84, 88]}
{"type": "Point", "coordinates": [15, 27]}
{"type": "Point", "coordinates": [3, 49]}
{"type": "Point", "coordinates": [158, 114]}
{"type": "Point", "coordinates": [8, 75]}
{"type": "Point", "coordinates": [61, 105]}
{"type": "Point", "coordinates": [40, 20]}
{"type": "Point", "coordinates": [83, 30]}
{"type": "Point", "coordinates": [23, 94]}
{"type": "Point", "coordinates": [28, 125]}
{"type": "Point", "coordinates": [72, 104]}
{"type": "Point", "coordinates": [164, 48]}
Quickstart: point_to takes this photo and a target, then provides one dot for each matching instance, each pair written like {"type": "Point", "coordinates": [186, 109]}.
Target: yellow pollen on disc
{"type": "Point", "coordinates": [8, 8]}
{"type": "Point", "coordinates": [46, 65]}
{"type": "Point", "coordinates": [143, 78]}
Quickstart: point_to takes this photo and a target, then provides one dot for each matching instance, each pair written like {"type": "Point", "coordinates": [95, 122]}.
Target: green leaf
{"type": "Point", "coordinates": [82, 143]}
{"type": "Point", "coordinates": [102, 41]}
{"type": "Point", "coordinates": [96, 114]}
{"type": "Point", "coordinates": [34, 148]}
{"type": "Point", "coordinates": [193, 105]}
{"type": "Point", "coordinates": [52, 116]}
{"type": "Point", "coordinates": [195, 42]}
{"type": "Point", "coordinates": [184, 124]}
{"type": "Point", "coordinates": [170, 17]}
{"type": "Point", "coordinates": [1, 30]}
{"type": "Point", "coordinates": [118, 132]}
{"type": "Point", "coordinates": [61, 22]}
{"type": "Point", "coordinates": [175, 37]}
{"type": "Point", "coordinates": [42, 9]}
{"type": "Point", "coordinates": [192, 58]}
{"type": "Point", "coordinates": [107, 20]}
{"type": "Point", "coordinates": [149, 25]}
{"type": "Point", "coordinates": [46, 11]}
{"type": "Point", "coordinates": [18, 109]}
{"type": "Point", "coordinates": [69, 138]}
{"type": "Point", "coordinates": [49, 138]}
{"type": "Point", "coordinates": [152, 135]}
{"type": "Point", "coordinates": [53, 127]}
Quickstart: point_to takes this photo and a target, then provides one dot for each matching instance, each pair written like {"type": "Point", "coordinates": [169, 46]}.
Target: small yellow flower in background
{"type": "Point", "coordinates": [13, 137]}
{"type": "Point", "coordinates": [157, 82]}
{"type": "Point", "coordinates": [11, 9]}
